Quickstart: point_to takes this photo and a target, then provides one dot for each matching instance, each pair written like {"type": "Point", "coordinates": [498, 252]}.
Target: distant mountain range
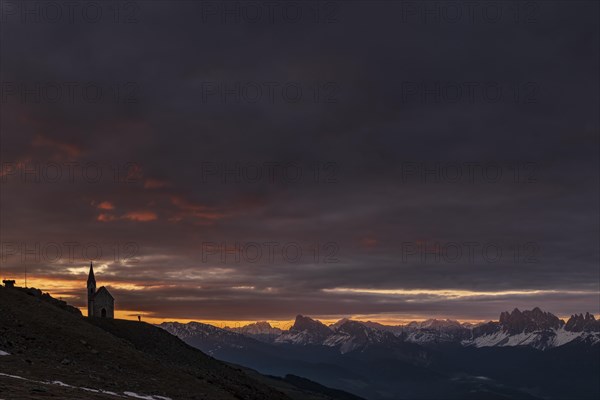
{"type": "Point", "coordinates": [524, 355]}
{"type": "Point", "coordinates": [535, 328]}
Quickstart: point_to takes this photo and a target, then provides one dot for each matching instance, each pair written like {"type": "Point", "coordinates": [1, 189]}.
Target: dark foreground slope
{"type": "Point", "coordinates": [51, 344]}
{"type": "Point", "coordinates": [160, 344]}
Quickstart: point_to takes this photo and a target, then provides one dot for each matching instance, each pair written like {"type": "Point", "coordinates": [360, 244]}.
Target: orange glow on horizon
{"type": "Point", "coordinates": [70, 289]}
{"type": "Point", "coordinates": [281, 324]}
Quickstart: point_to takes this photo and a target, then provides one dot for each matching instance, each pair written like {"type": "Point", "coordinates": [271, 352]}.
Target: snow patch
{"type": "Point", "coordinates": [59, 383]}
{"type": "Point", "coordinates": [62, 384]}
{"type": "Point", "coordinates": [13, 376]}
{"type": "Point", "coordinates": [564, 337]}
{"type": "Point", "coordinates": [539, 339]}
{"type": "Point", "coordinates": [145, 397]}
{"type": "Point", "coordinates": [300, 338]}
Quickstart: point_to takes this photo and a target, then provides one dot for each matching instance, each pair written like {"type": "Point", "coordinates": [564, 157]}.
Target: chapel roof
{"type": "Point", "coordinates": [102, 290]}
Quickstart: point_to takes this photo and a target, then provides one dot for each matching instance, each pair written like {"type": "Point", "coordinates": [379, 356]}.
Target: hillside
{"type": "Point", "coordinates": [46, 343]}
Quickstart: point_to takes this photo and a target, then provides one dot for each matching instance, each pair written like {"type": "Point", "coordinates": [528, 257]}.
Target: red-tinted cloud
{"type": "Point", "coordinates": [69, 149]}
{"type": "Point", "coordinates": [106, 205]}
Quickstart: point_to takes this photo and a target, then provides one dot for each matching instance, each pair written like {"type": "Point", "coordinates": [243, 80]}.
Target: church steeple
{"type": "Point", "coordinates": [91, 290]}
{"type": "Point", "coordinates": [91, 277]}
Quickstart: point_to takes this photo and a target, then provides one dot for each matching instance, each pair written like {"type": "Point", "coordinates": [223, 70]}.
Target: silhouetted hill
{"type": "Point", "coordinates": [48, 344]}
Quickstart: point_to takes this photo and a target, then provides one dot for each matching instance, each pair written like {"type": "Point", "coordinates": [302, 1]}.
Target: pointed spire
{"type": "Point", "coordinates": [91, 277]}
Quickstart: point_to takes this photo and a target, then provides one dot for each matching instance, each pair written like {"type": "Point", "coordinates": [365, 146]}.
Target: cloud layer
{"type": "Point", "coordinates": [376, 160]}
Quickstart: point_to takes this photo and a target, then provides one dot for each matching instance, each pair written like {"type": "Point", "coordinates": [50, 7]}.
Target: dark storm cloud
{"type": "Point", "coordinates": [176, 148]}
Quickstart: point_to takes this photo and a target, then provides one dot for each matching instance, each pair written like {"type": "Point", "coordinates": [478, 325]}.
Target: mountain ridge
{"type": "Point", "coordinates": [536, 328]}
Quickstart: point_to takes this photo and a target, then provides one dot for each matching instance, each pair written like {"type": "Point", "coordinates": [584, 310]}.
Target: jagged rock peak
{"type": "Point", "coordinates": [303, 323]}
{"type": "Point", "coordinates": [339, 323]}
{"type": "Point", "coordinates": [581, 323]}
{"type": "Point", "coordinates": [528, 321]}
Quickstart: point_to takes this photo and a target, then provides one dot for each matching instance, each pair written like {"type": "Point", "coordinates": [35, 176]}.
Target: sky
{"type": "Point", "coordinates": [232, 162]}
